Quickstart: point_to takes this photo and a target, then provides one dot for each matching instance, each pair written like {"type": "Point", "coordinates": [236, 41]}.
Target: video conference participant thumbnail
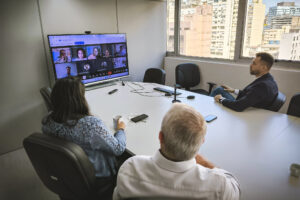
{"type": "Point", "coordinates": [65, 70]}
{"type": "Point", "coordinates": [61, 55]}
{"type": "Point", "coordinates": [107, 50]}
{"type": "Point", "coordinates": [119, 62]}
{"type": "Point", "coordinates": [78, 54]}
{"type": "Point", "coordinates": [106, 61]}
{"type": "Point", "coordinates": [105, 64]}
{"type": "Point", "coordinates": [85, 67]}
{"type": "Point", "coordinates": [120, 49]}
{"type": "Point", "coordinates": [93, 52]}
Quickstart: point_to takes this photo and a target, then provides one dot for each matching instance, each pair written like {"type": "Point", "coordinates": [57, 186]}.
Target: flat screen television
{"type": "Point", "coordinates": [94, 58]}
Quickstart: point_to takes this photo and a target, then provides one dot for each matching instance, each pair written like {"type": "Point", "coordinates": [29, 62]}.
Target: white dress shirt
{"type": "Point", "coordinates": [156, 176]}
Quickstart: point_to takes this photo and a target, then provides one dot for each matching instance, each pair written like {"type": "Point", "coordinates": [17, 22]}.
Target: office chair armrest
{"type": "Point", "coordinates": [211, 85]}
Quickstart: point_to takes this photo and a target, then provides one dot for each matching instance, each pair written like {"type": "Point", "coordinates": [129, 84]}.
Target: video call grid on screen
{"type": "Point", "coordinates": [93, 57]}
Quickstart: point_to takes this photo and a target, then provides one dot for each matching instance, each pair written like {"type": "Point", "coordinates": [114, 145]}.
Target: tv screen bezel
{"type": "Point", "coordinates": [94, 82]}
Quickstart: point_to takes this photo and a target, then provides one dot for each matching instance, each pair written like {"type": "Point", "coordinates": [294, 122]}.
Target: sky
{"type": "Point", "coordinates": [270, 3]}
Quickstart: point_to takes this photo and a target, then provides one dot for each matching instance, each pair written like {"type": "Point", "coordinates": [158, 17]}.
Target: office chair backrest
{"type": "Point", "coordinates": [46, 92]}
{"type": "Point", "coordinates": [155, 75]}
{"type": "Point", "coordinates": [187, 75]}
{"type": "Point", "coordinates": [278, 102]}
{"type": "Point", "coordinates": [62, 166]}
{"type": "Point", "coordinates": [294, 106]}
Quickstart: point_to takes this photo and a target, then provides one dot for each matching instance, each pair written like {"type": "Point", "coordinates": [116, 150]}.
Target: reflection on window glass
{"type": "Point", "coordinates": [273, 26]}
{"type": "Point", "coordinates": [208, 28]}
{"type": "Point", "coordinates": [170, 25]}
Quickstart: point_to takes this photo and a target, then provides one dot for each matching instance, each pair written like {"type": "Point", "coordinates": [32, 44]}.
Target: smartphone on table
{"type": "Point", "coordinates": [210, 118]}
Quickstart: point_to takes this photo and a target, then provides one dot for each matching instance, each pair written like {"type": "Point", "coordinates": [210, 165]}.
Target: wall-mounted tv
{"type": "Point", "coordinates": [92, 57]}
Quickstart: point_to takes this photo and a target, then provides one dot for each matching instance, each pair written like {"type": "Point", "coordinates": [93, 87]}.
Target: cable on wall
{"type": "Point", "coordinates": [43, 37]}
{"type": "Point", "coordinates": [117, 17]}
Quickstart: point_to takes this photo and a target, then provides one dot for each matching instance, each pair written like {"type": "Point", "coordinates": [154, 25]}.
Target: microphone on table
{"type": "Point", "coordinates": [175, 93]}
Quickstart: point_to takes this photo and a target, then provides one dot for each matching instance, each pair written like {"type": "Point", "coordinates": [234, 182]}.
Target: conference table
{"type": "Point", "coordinates": [256, 145]}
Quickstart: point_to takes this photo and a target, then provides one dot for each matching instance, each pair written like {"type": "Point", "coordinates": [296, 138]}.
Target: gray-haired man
{"type": "Point", "coordinates": [176, 170]}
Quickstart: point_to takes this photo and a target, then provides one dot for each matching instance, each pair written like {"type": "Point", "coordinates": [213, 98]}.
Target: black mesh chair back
{"type": "Point", "coordinates": [294, 106]}
{"type": "Point", "coordinates": [188, 75]}
{"type": "Point", "coordinates": [155, 75]}
{"type": "Point", "coordinates": [278, 102]}
{"type": "Point", "coordinates": [46, 92]}
{"type": "Point", "coordinates": [63, 167]}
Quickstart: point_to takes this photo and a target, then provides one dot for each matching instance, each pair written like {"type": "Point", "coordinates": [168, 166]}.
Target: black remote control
{"type": "Point", "coordinates": [113, 91]}
{"type": "Point", "coordinates": [139, 118]}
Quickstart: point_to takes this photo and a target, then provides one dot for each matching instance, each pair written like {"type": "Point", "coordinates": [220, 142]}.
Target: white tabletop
{"type": "Point", "coordinates": [256, 145]}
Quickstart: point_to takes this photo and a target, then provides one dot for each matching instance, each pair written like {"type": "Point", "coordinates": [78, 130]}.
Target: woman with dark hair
{"type": "Point", "coordinates": [95, 54]}
{"type": "Point", "coordinates": [71, 120]}
{"type": "Point", "coordinates": [80, 54]}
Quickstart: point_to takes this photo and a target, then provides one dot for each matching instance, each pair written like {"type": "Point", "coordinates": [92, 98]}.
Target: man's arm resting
{"type": "Point", "coordinates": [255, 95]}
{"type": "Point", "coordinates": [232, 187]}
{"type": "Point", "coordinates": [204, 162]}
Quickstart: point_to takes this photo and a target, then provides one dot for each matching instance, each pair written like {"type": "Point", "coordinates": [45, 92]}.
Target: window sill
{"type": "Point", "coordinates": [279, 65]}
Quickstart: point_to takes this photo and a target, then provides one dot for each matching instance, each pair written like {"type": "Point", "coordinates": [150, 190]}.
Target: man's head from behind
{"type": "Point", "coordinates": [182, 132]}
{"type": "Point", "coordinates": [261, 64]}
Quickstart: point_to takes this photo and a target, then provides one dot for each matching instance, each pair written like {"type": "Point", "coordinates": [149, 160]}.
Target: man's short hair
{"type": "Point", "coordinates": [266, 58]}
{"type": "Point", "coordinates": [183, 130]}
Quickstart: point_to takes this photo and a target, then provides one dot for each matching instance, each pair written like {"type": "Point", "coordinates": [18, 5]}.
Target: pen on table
{"type": "Point", "coordinates": [113, 91]}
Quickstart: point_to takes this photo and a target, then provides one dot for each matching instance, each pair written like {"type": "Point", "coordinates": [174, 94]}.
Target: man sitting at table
{"type": "Point", "coordinates": [176, 170]}
{"type": "Point", "coordinates": [260, 93]}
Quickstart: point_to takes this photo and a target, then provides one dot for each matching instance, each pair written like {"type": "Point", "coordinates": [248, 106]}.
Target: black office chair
{"type": "Point", "coordinates": [46, 92]}
{"type": "Point", "coordinates": [65, 169]}
{"type": "Point", "coordinates": [278, 102]}
{"type": "Point", "coordinates": [155, 75]}
{"type": "Point", "coordinates": [188, 75]}
{"type": "Point", "coordinates": [294, 106]}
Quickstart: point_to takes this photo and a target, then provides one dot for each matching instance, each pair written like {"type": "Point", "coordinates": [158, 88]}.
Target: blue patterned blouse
{"type": "Point", "coordinates": [91, 134]}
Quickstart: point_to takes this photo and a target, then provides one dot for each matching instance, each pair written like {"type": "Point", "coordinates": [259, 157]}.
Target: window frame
{"type": "Point", "coordinates": [240, 33]}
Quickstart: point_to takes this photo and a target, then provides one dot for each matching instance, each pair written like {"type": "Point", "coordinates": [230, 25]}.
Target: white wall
{"type": "Point", "coordinates": [143, 21]}
{"type": "Point", "coordinates": [236, 75]}
{"type": "Point", "coordinates": [23, 72]}
{"type": "Point", "coordinates": [25, 67]}
{"type": "Point", "coordinates": [145, 24]}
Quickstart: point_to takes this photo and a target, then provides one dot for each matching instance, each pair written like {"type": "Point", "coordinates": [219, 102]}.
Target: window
{"type": "Point", "coordinates": [208, 28]}
{"type": "Point", "coordinates": [273, 27]}
{"type": "Point", "coordinates": [170, 25]}
{"type": "Point", "coordinates": [213, 28]}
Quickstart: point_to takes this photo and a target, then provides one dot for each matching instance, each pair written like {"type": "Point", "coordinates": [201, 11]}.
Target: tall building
{"type": "Point", "coordinates": [290, 47]}
{"type": "Point", "coordinates": [281, 19]}
{"type": "Point", "coordinates": [278, 21]}
{"type": "Point", "coordinates": [295, 24]}
{"type": "Point", "coordinates": [282, 9]}
{"type": "Point", "coordinates": [198, 35]}
{"type": "Point", "coordinates": [224, 24]}
{"type": "Point", "coordinates": [170, 24]}
{"type": "Point", "coordinates": [254, 27]}
{"type": "Point", "coordinates": [272, 39]}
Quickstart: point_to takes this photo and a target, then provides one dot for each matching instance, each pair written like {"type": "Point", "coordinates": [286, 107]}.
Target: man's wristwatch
{"type": "Point", "coordinates": [221, 100]}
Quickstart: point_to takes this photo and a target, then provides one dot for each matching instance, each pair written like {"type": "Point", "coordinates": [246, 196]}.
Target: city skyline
{"type": "Point", "coordinates": [208, 28]}
{"type": "Point", "coordinates": [271, 3]}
